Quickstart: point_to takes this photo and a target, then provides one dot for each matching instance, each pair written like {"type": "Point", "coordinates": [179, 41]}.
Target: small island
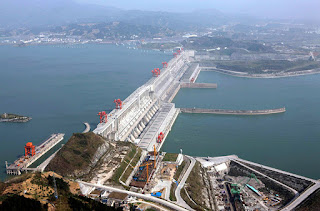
{"type": "Point", "coordinates": [13, 118]}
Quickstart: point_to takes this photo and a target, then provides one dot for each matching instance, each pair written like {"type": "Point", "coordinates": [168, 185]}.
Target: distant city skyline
{"type": "Point", "coordinates": [287, 9]}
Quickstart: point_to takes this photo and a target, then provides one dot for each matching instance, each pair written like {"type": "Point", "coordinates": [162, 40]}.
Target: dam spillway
{"type": "Point", "coordinates": [147, 104]}
{"type": "Point", "coordinates": [232, 112]}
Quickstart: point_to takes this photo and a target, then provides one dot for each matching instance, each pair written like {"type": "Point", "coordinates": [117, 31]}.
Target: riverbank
{"type": "Point", "coordinates": [266, 75]}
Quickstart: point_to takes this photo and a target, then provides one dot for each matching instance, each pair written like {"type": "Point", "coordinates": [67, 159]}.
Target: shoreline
{"type": "Point", "coordinates": [266, 76]}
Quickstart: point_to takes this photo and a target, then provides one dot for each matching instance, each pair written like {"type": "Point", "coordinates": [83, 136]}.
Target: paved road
{"type": "Point", "coordinates": [180, 201]}
{"type": "Point", "coordinates": [138, 195]}
{"type": "Point", "coordinates": [153, 205]}
{"type": "Point", "coordinates": [302, 197]}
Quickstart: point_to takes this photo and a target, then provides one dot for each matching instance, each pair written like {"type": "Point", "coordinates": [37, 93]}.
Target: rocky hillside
{"type": "Point", "coordinates": [35, 191]}
{"type": "Point", "coordinates": [78, 155]}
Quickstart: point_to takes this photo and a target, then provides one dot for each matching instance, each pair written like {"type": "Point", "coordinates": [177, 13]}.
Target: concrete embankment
{"type": "Point", "coordinates": [262, 75]}
{"type": "Point", "coordinates": [87, 127]}
{"type": "Point", "coordinates": [232, 112]}
{"type": "Point", "coordinates": [199, 85]}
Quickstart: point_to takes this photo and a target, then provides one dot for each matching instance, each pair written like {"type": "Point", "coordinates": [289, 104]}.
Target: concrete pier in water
{"type": "Point", "coordinates": [199, 85]}
{"type": "Point", "coordinates": [232, 112]}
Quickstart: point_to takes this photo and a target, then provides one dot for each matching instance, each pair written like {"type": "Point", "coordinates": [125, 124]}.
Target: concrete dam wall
{"type": "Point", "coordinates": [232, 112]}
{"type": "Point", "coordinates": [198, 85]}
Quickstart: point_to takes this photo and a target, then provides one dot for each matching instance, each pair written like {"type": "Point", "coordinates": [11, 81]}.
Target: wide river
{"type": "Point", "coordinates": [61, 87]}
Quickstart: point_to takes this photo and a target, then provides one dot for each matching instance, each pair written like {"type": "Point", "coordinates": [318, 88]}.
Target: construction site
{"type": "Point", "coordinates": [145, 171]}
{"type": "Point", "coordinates": [242, 185]}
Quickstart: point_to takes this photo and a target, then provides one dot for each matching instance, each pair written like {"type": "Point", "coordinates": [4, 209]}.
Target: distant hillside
{"type": "Point", "coordinates": [21, 13]}
{"type": "Point", "coordinates": [207, 42]}
{"type": "Point", "coordinates": [34, 13]}
{"type": "Point", "coordinates": [77, 156]}
{"type": "Point", "coordinates": [114, 31]}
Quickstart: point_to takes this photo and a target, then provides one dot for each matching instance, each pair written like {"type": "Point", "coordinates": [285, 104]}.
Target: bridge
{"type": "Point", "coordinates": [86, 186]}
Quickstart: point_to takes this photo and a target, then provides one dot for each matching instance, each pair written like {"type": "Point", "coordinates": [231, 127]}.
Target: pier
{"type": "Point", "coordinates": [199, 85]}
{"type": "Point", "coordinates": [24, 162]}
{"type": "Point", "coordinates": [232, 112]}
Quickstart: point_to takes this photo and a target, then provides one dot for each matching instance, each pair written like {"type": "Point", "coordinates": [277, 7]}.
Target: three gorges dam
{"type": "Point", "coordinates": [147, 115]}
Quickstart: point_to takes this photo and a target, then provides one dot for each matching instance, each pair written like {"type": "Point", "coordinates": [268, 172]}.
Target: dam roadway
{"type": "Point", "coordinates": [138, 195]}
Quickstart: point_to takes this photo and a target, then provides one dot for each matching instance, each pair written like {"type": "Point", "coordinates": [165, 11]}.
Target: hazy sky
{"type": "Point", "coordinates": [307, 9]}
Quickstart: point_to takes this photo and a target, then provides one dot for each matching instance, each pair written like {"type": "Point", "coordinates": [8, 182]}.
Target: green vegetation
{"type": "Point", "coordinates": [194, 187]}
{"type": "Point", "coordinates": [85, 204]}
{"type": "Point", "coordinates": [170, 157]}
{"type": "Point", "coordinates": [207, 42]}
{"type": "Point", "coordinates": [2, 187]}
{"type": "Point", "coordinates": [133, 163]}
{"type": "Point", "coordinates": [151, 209]}
{"type": "Point", "coordinates": [188, 201]}
{"type": "Point", "coordinates": [312, 203]}
{"type": "Point", "coordinates": [66, 200]}
{"type": "Point", "coordinates": [161, 46]}
{"type": "Point", "coordinates": [124, 163]}
{"type": "Point", "coordinates": [267, 66]}
{"type": "Point", "coordinates": [175, 176]}
{"type": "Point", "coordinates": [16, 202]}
{"type": "Point", "coordinates": [10, 116]}
{"type": "Point", "coordinates": [179, 170]}
{"type": "Point", "coordinates": [172, 196]}
{"type": "Point", "coordinates": [114, 31]}
{"type": "Point", "coordinates": [39, 180]}
{"type": "Point", "coordinates": [19, 178]}
{"type": "Point", "coordinates": [76, 155]}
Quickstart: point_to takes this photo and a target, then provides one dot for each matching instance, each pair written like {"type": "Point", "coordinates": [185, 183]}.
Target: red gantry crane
{"type": "Point", "coordinates": [160, 137]}
{"type": "Point", "coordinates": [156, 72]}
{"type": "Point", "coordinates": [175, 55]}
{"type": "Point", "coordinates": [103, 116]}
{"type": "Point", "coordinates": [29, 149]}
{"type": "Point", "coordinates": [165, 64]}
{"type": "Point", "coordinates": [118, 103]}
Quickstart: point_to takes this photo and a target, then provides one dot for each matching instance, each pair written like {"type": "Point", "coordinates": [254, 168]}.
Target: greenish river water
{"type": "Point", "coordinates": [61, 87]}
{"type": "Point", "coordinates": [288, 141]}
